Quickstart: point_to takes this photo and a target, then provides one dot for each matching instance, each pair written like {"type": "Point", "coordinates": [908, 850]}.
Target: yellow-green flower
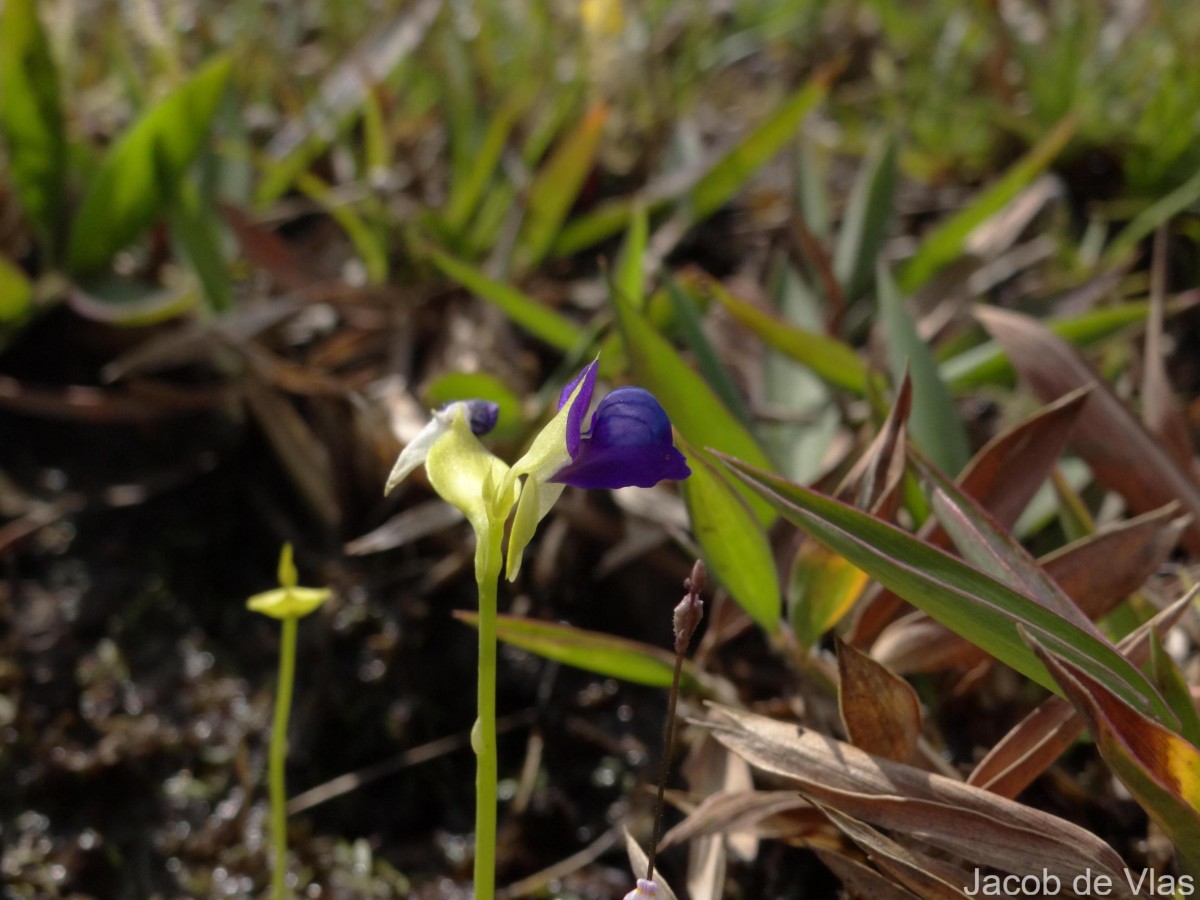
{"type": "Point", "coordinates": [288, 601]}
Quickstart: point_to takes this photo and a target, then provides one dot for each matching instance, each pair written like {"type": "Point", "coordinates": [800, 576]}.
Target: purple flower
{"type": "Point", "coordinates": [627, 444]}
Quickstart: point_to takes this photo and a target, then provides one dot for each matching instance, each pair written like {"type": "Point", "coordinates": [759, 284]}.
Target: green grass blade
{"type": "Point", "coordinates": [556, 187]}
{"type": "Point", "coordinates": [946, 242]}
{"type": "Point", "coordinates": [687, 319]}
{"type": "Point", "coordinates": [140, 174]}
{"type": "Point", "coordinates": [197, 228]}
{"type": "Point", "coordinates": [555, 329]}
{"type": "Point", "coordinates": [732, 171]}
{"type": "Point", "coordinates": [1145, 223]}
{"type": "Point", "coordinates": [370, 243]}
{"type": "Point", "coordinates": [595, 225]}
{"type": "Point", "coordinates": [16, 295]}
{"type": "Point", "coordinates": [812, 190]}
{"type": "Point", "coordinates": [734, 545]}
{"type": "Point", "coordinates": [798, 446]}
{"type": "Point", "coordinates": [829, 358]}
{"type": "Point", "coordinates": [934, 423]}
{"type": "Point", "coordinates": [31, 119]}
{"type": "Point", "coordinates": [629, 279]}
{"type": "Point", "coordinates": [603, 654]}
{"type": "Point", "coordinates": [965, 600]}
{"type": "Point", "coordinates": [466, 194]}
{"type": "Point", "coordinates": [868, 213]}
{"type": "Point", "coordinates": [1174, 687]}
{"type": "Point", "coordinates": [987, 363]}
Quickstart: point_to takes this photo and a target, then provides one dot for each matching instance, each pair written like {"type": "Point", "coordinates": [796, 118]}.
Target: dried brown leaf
{"type": "Point", "coordinates": [873, 480]}
{"type": "Point", "coordinates": [638, 861]}
{"type": "Point", "coordinates": [880, 710]}
{"type": "Point", "coordinates": [1041, 737]}
{"type": "Point", "coordinates": [266, 250]}
{"type": "Point", "coordinates": [1122, 454]}
{"type": "Point", "coordinates": [143, 401]}
{"type": "Point", "coordinates": [772, 814]}
{"type": "Point", "coordinates": [926, 877]}
{"type": "Point", "coordinates": [1003, 476]}
{"type": "Point", "coordinates": [860, 880]}
{"type": "Point", "coordinates": [979, 826]}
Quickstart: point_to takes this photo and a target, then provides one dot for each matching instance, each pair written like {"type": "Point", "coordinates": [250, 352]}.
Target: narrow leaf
{"type": "Point", "coordinates": [197, 228]}
{"type": "Point", "coordinates": [1033, 745]}
{"type": "Point", "coordinates": [868, 212]}
{"type": "Point", "coordinates": [556, 186]}
{"type": "Point", "coordinates": [822, 588]}
{"type": "Point", "coordinates": [1160, 413]}
{"type": "Point", "coordinates": [369, 242]}
{"type": "Point", "coordinates": [733, 543]}
{"type": "Point", "coordinates": [987, 363]}
{"type": "Point", "coordinates": [946, 242]}
{"type": "Point", "coordinates": [1097, 573]}
{"type": "Point", "coordinates": [1004, 476]}
{"type": "Point", "coordinates": [687, 319]}
{"type": "Point", "coordinates": [1145, 223]}
{"type": "Point", "coordinates": [465, 195]}
{"type": "Point", "coordinates": [1175, 689]}
{"type": "Point", "coordinates": [980, 827]}
{"type": "Point", "coordinates": [1160, 768]}
{"type": "Point", "coordinates": [986, 545]}
{"type": "Point", "coordinates": [630, 275]}
{"type": "Point", "coordinates": [555, 329]}
{"type": "Point", "coordinates": [799, 446]}
{"type": "Point", "coordinates": [964, 599]}
{"type": "Point", "coordinates": [31, 118]}
{"type": "Point", "coordinates": [140, 173]}
{"type": "Point", "coordinates": [732, 171]}
{"type": "Point", "coordinates": [934, 423]}
{"type": "Point", "coordinates": [835, 362]}
{"type": "Point", "coordinates": [592, 651]}
{"type": "Point", "coordinates": [1121, 453]}
{"type": "Point", "coordinates": [880, 710]}
{"type": "Point", "coordinates": [907, 867]}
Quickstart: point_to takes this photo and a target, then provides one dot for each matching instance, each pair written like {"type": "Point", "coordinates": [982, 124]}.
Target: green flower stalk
{"type": "Point", "coordinates": [288, 603]}
{"type": "Point", "coordinates": [629, 442]}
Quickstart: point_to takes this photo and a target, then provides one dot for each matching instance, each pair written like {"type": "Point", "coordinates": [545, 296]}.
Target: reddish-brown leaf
{"type": "Point", "coordinates": [1041, 737]}
{"type": "Point", "coordinates": [1159, 411]}
{"type": "Point", "coordinates": [1122, 454]}
{"type": "Point", "coordinates": [978, 826]}
{"type": "Point", "coordinates": [862, 882]}
{"type": "Point", "coordinates": [1003, 476]}
{"type": "Point", "coordinates": [925, 876]}
{"type": "Point", "coordinates": [880, 710]}
{"type": "Point", "coordinates": [1097, 572]}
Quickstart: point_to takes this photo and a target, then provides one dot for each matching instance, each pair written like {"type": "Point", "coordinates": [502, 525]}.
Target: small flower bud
{"type": "Point", "coordinates": [481, 415]}
{"type": "Point", "coordinates": [690, 610]}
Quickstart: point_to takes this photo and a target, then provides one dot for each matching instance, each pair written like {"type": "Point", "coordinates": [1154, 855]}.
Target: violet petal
{"type": "Point", "coordinates": [629, 445]}
{"type": "Point", "coordinates": [580, 407]}
{"type": "Point", "coordinates": [481, 415]}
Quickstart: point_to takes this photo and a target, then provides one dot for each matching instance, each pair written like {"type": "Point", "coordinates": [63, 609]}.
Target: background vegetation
{"type": "Point", "coordinates": [874, 251]}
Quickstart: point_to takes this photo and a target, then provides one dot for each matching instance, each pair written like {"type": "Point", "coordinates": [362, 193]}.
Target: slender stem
{"type": "Point", "coordinates": [278, 756]}
{"type": "Point", "coordinates": [665, 768]}
{"type": "Point", "coordinates": [488, 573]}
